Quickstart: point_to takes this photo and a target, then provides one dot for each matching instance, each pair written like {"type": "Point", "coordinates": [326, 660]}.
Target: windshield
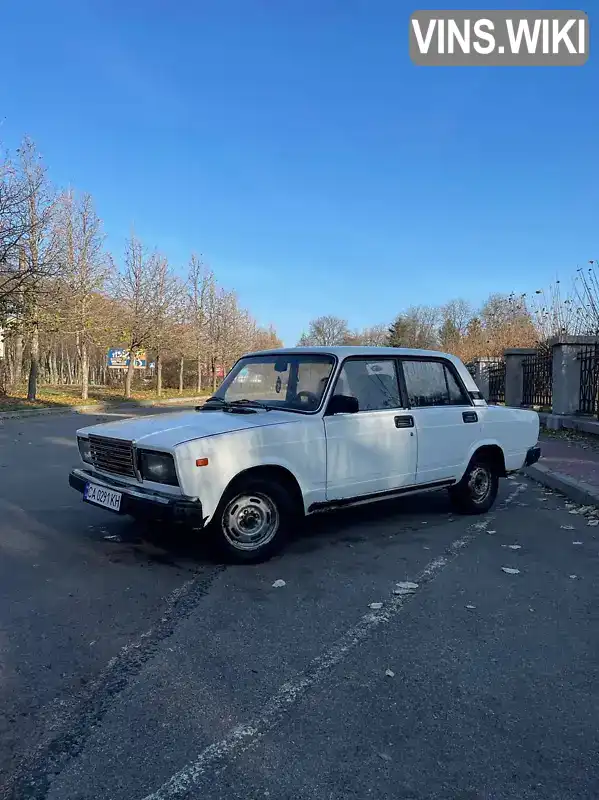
{"type": "Point", "coordinates": [289, 382]}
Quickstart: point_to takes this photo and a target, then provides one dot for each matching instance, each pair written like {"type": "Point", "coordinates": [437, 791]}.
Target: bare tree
{"type": "Point", "coordinates": [40, 251]}
{"type": "Point", "coordinates": [138, 292]}
{"type": "Point", "coordinates": [201, 288]}
{"type": "Point", "coordinates": [86, 268]}
{"type": "Point", "coordinates": [325, 331]}
{"type": "Point", "coordinates": [15, 192]}
{"type": "Point", "coordinates": [416, 327]}
{"type": "Point", "coordinates": [507, 323]}
{"type": "Point", "coordinates": [166, 300]}
{"type": "Point", "coordinates": [455, 316]}
{"type": "Point", "coordinates": [556, 311]}
{"type": "Point", "coordinates": [586, 295]}
{"type": "Point", "coordinates": [265, 339]}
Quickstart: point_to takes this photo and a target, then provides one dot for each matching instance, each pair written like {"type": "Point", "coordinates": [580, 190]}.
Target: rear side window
{"type": "Point", "coordinates": [372, 383]}
{"type": "Point", "coordinates": [432, 383]}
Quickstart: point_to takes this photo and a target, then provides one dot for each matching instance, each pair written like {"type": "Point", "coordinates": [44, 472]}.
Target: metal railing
{"type": "Point", "coordinates": [589, 379]}
{"type": "Point", "coordinates": [537, 376]}
{"type": "Point", "coordinates": [497, 382]}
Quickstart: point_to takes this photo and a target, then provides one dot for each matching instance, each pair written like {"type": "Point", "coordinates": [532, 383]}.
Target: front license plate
{"type": "Point", "coordinates": [102, 497]}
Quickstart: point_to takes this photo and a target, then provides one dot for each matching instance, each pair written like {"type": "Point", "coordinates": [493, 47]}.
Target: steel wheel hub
{"type": "Point", "coordinates": [479, 484]}
{"type": "Point", "coordinates": [250, 521]}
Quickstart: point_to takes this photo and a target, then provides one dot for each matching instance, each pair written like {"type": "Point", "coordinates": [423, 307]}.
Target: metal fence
{"type": "Point", "coordinates": [537, 374]}
{"type": "Point", "coordinates": [497, 382]}
{"type": "Point", "coordinates": [589, 379]}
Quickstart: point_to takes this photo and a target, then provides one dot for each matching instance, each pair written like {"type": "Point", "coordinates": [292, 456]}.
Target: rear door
{"type": "Point", "coordinates": [447, 423]}
{"type": "Point", "coordinates": [374, 449]}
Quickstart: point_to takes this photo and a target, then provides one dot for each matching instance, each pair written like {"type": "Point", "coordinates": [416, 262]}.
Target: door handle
{"type": "Point", "coordinates": [404, 421]}
{"type": "Point", "coordinates": [470, 416]}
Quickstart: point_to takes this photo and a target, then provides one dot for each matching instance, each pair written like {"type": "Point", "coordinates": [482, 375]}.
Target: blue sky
{"type": "Point", "coordinates": [296, 147]}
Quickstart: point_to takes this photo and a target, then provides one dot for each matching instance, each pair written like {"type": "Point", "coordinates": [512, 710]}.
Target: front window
{"type": "Point", "coordinates": [287, 381]}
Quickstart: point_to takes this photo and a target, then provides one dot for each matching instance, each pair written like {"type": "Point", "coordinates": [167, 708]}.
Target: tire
{"type": "Point", "coordinates": [477, 491]}
{"type": "Point", "coordinates": [253, 520]}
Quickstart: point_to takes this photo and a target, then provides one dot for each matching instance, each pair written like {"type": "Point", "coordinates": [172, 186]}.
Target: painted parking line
{"type": "Point", "coordinates": [246, 735]}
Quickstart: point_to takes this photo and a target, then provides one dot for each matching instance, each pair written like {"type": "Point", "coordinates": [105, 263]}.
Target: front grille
{"type": "Point", "coordinates": [112, 455]}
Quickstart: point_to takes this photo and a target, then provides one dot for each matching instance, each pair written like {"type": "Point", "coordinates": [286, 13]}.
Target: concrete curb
{"type": "Point", "coordinates": [97, 408]}
{"type": "Point", "coordinates": [578, 491]}
{"type": "Point", "coordinates": [556, 422]}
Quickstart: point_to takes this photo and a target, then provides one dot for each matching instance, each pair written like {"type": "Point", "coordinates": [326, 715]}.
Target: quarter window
{"type": "Point", "coordinates": [372, 383]}
{"type": "Point", "coordinates": [432, 383]}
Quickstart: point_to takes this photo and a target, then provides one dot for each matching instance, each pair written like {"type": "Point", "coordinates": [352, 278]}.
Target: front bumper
{"type": "Point", "coordinates": [533, 454]}
{"type": "Point", "coordinates": [140, 502]}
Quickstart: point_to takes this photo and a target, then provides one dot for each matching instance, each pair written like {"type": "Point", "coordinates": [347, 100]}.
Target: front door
{"type": "Point", "coordinates": [374, 449]}
{"type": "Point", "coordinates": [447, 423]}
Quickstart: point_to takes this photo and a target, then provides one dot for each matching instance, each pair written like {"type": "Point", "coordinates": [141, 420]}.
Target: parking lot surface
{"type": "Point", "coordinates": [133, 666]}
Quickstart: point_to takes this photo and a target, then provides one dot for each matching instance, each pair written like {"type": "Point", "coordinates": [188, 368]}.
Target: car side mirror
{"type": "Point", "coordinates": [343, 404]}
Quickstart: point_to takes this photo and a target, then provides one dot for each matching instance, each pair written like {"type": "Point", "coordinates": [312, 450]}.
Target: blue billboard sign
{"type": "Point", "coordinates": [118, 358]}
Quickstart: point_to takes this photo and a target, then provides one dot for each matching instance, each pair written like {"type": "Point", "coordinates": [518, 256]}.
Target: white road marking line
{"type": "Point", "coordinates": [245, 735]}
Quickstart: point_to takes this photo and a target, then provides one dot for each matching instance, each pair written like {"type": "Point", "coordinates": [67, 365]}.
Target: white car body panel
{"type": "Point", "coordinates": [444, 441]}
{"type": "Point", "coordinates": [165, 431]}
{"type": "Point", "coordinates": [513, 429]}
{"type": "Point", "coordinates": [366, 454]}
{"type": "Point", "coordinates": [299, 447]}
{"type": "Point", "coordinates": [332, 458]}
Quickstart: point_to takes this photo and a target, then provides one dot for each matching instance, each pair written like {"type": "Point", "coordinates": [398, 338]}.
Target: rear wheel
{"type": "Point", "coordinates": [253, 520]}
{"type": "Point", "coordinates": [476, 492]}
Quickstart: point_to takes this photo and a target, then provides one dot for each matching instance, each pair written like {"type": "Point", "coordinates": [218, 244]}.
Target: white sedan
{"type": "Point", "coordinates": [296, 431]}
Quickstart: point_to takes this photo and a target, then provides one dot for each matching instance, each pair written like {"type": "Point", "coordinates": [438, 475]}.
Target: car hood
{"type": "Point", "coordinates": [168, 430]}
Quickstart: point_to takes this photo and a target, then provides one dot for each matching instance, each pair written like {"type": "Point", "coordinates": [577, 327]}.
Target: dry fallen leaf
{"type": "Point", "coordinates": [573, 577]}
{"type": "Point", "coordinates": [576, 542]}
{"type": "Point", "coordinates": [389, 673]}
{"type": "Point", "coordinates": [471, 608]}
{"type": "Point", "coordinates": [511, 571]}
{"type": "Point", "coordinates": [567, 527]}
{"type": "Point", "coordinates": [375, 606]}
{"type": "Point", "coordinates": [515, 546]}
{"type": "Point", "coordinates": [406, 585]}
{"type": "Point", "coordinates": [593, 522]}
{"type": "Point", "coordinates": [279, 583]}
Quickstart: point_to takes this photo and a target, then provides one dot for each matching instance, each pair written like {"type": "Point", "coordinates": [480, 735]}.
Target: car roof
{"type": "Point", "coordinates": [343, 351]}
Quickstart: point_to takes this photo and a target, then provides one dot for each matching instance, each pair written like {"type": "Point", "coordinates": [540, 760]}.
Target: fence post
{"type": "Point", "coordinates": [566, 372]}
{"type": "Point", "coordinates": [514, 383]}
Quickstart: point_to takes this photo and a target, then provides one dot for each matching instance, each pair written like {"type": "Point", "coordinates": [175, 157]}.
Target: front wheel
{"type": "Point", "coordinates": [253, 520]}
{"type": "Point", "coordinates": [476, 492]}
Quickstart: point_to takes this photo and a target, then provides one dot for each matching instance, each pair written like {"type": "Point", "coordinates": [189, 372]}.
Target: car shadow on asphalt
{"type": "Point", "coordinates": [180, 547]}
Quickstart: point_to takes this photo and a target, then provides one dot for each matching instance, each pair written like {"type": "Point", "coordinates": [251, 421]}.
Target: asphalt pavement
{"type": "Point", "coordinates": [135, 667]}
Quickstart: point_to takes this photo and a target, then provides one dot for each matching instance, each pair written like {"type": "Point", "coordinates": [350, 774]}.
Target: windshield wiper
{"type": "Point", "coordinates": [243, 406]}
{"type": "Point", "coordinates": [212, 402]}
{"type": "Point", "coordinates": [245, 402]}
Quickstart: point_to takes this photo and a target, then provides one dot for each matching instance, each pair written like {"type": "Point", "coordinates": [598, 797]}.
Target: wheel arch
{"type": "Point", "coordinates": [273, 472]}
{"type": "Point", "coordinates": [491, 452]}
